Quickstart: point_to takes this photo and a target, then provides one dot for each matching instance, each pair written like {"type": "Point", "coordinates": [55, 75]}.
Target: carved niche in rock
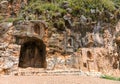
{"type": "Point", "coordinates": [90, 61]}
{"type": "Point", "coordinates": [69, 45]}
{"type": "Point", "coordinates": [33, 54]}
{"type": "Point", "coordinates": [29, 35]}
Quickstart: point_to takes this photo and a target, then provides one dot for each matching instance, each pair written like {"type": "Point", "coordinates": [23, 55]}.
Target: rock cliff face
{"type": "Point", "coordinates": [72, 43]}
{"type": "Point", "coordinates": [56, 50]}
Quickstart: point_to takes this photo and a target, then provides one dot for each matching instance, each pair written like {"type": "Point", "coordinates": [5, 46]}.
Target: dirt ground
{"type": "Point", "coordinates": [54, 80]}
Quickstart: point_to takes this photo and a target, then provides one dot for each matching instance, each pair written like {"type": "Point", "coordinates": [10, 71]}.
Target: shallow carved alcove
{"type": "Point", "coordinates": [33, 54]}
{"type": "Point", "coordinates": [37, 29]}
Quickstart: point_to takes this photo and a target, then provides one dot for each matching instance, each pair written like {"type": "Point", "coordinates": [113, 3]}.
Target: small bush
{"type": "Point", "coordinates": [13, 19]}
{"type": "Point", "coordinates": [110, 78]}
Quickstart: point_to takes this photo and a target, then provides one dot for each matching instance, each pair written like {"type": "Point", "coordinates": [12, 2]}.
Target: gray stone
{"type": "Point", "coordinates": [4, 27]}
{"type": "Point", "coordinates": [98, 40]}
{"type": "Point", "coordinates": [65, 4]}
{"type": "Point", "coordinates": [3, 46]}
{"type": "Point", "coordinates": [50, 64]}
{"type": "Point", "coordinates": [83, 19]}
{"type": "Point", "coordinates": [69, 49]}
{"type": "Point", "coordinates": [93, 11]}
{"type": "Point", "coordinates": [67, 17]}
{"type": "Point", "coordinates": [69, 61]}
{"type": "Point", "coordinates": [69, 10]}
{"type": "Point", "coordinates": [7, 63]}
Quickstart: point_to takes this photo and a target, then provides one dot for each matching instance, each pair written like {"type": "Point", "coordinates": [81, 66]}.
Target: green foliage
{"type": "Point", "coordinates": [41, 6]}
{"type": "Point", "coordinates": [13, 19]}
{"type": "Point", "coordinates": [88, 4]}
{"type": "Point", "coordinates": [117, 2]}
{"type": "Point", "coordinates": [10, 19]}
{"type": "Point", "coordinates": [108, 4]}
{"type": "Point", "coordinates": [79, 7]}
{"type": "Point", "coordinates": [110, 78]}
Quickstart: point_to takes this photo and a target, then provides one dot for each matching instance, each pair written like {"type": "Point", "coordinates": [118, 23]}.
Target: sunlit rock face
{"type": "Point", "coordinates": [33, 44]}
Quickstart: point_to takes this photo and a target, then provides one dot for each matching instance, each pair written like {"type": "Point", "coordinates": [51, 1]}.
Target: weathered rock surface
{"type": "Point", "coordinates": [70, 44]}
{"type": "Point", "coordinates": [62, 52]}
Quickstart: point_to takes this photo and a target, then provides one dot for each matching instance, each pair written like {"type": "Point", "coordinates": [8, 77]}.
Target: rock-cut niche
{"type": "Point", "coordinates": [33, 54]}
{"type": "Point", "coordinates": [33, 49]}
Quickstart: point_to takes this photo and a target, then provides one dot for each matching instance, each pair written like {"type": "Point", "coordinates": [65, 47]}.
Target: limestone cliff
{"type": "Point", "coordinates": [59, 41]}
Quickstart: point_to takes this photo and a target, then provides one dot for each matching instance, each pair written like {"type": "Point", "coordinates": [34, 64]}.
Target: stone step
{"type": "Point", "coordinates": [43, 72]}
{"type": "Point", "coordinates": [31, 71]}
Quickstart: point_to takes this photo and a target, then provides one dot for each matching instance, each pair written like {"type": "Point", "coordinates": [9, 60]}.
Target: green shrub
{"type": "Point", "coordinates": [13, 19]}
{"type": "Point", "coordinates": [110, 78]}
{"type": "Point", "coordinates": [79, 7]}
{"type": "Point", "coordinates": [108, 4]}
{"type": "Point", "coordinates": [10, 19]}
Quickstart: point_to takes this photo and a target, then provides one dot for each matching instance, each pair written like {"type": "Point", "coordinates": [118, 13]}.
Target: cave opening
{"type": "Point", "coordinates": [33, 54]}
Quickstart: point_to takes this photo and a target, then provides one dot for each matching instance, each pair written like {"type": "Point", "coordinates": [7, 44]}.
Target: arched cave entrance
{"type": "Point", "coordinates": [33, 54]}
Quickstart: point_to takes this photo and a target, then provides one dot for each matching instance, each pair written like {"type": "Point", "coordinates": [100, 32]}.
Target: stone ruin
{"type": "Point", "coordinates": [26, 44]}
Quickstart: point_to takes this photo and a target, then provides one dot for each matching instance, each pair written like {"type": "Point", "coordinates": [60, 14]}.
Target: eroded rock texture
{"type": "Point", "coordinates": [33, 44]}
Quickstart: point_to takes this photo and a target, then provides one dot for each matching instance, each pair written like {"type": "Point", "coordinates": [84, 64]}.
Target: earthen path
{"type": "Point", "coordinates": [54, 80]}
